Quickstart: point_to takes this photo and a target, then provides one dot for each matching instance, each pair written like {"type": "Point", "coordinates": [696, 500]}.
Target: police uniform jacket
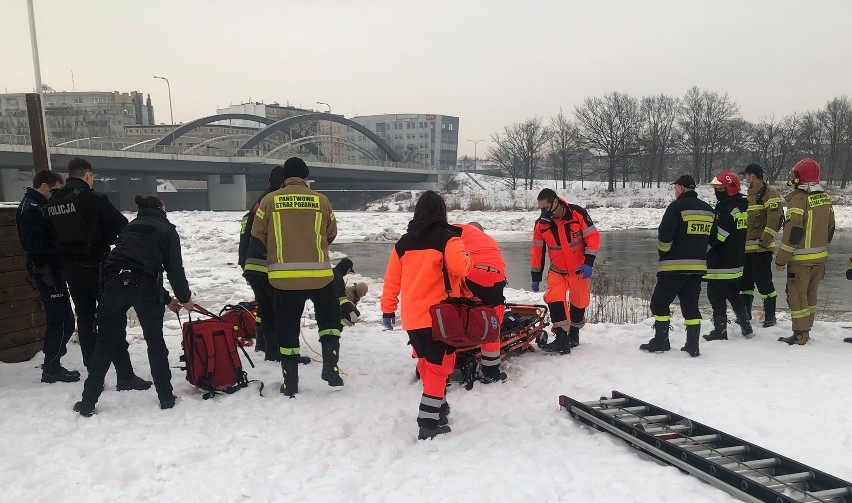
{"type": "Point", "coordinates": [85, 221]}
{"type": "Point", "coordinates": [683, 235]}
{"type": "Point", "coordinates": [35, 232]}
{"type": "Point", "coordinates": [725, 254]}
{"type": "Point", "coordinates": [765, 213]}
{"type": "Point", "coordinates": [148, 246]}
{"type": "Point", "coordinates": [808, 227]}
{"type": "Point", "coordinates": [296, 225]}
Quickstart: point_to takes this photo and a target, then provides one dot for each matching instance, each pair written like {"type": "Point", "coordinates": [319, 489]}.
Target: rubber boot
{"type": "Point", "coordinates": [799, 337]}
{"type": "Point", "coordinates": [660, 342]}
{"type": "Point", "coordinates": [720, 329]}
{"type": "Point", "coordinates": [330, 355]}
{"type": "Point", "coordinates": [691, 346]}
{"type": "Point", "coordinates": [444, 415]}
{"type": "Point", "coordinates": [290, 371]}
{"type": "Point", "coordinates": [574, 336]}
{"type": "Point", "coordinates": [492, 373]}
{"type": "Point", "coordinates": [743, 322]}
{"type": "Point", "coordinates": [560, 344]}
{"type": "Point", "coordinates": [769, 311]}
{"type": "Point", "coordinates": [259, 338]}
{"type": "Point", "coordinates": [748, 300]}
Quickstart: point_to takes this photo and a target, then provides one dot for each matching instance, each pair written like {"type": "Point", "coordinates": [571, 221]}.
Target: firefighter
{"type": "Point", "coordinates": [808, 229]}
{"type": "Point", "coordinates": [252, 258]}
{"type": "Point", "coordinates": [133, 277]}
{"type": "Point", "coordinates": [349, 314]}
{"type": "Point", "coordinates": [86, 224]}
{"type": "Point", "coordinates": [299, 269]}
{"type": "Point", "coordinates": [486, 281]}
{"type": "Point", "coordinates": [45, 272]}
{"type": "Point", "coordinates": [683, 236]}
{"type": "Point", "coordinates": [765, 213]}
{"type": "Point", "coordinates": [415, 271]}
{"type": "Point", "coordinates": [725, 256]}
{"type": "Point", "coordinates": [569, 237]}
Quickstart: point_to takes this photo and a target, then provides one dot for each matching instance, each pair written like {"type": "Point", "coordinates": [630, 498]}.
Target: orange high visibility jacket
{"type": "Point", "coordinates": [570, 241]}
{"type": "Point", "coordinates": [488, 265]}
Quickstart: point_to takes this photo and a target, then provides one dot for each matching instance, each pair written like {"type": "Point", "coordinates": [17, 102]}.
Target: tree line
{"type": "Point", "coordinates": [618, 137]}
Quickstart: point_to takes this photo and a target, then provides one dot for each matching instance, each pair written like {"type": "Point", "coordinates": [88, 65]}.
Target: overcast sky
{"type": "Point", "coordinates": [489, 62]}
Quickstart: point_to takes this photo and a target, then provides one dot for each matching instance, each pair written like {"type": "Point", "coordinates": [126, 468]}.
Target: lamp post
{"type": "Point", "coordinates": [474, 152]}
{"type": "Point", "coordinates": [330, 129]}
{"type": "Point", "coordinates": [169, 86]}
{"type": "Point", "coordinates": [37, 70]}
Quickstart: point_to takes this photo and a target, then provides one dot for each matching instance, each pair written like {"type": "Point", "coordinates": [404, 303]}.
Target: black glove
{"type": "Point", "coordinates": [849, 273]}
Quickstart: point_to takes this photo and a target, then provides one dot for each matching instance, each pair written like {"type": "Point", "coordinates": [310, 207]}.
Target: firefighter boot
{"type": "Point", "coordinates": [259, 339]}
{"type": "Point", "coordinates": [769, 311]}
{"type": "Point", "coordinates": [691, 346]}
{"type": "Point", "coordinates": [720, 329]}
{"type": "Point", "coordinates": [492, 373]}
{"type": "Point", "coordinates": [560, 344]}
{"type": "Point", "coordinates": [573, 336]}
{"type": "Point", "coordinates": [748, 300]}
{"type": "Point", "coordinates": [799, 337]}
{"type": "Point", "coordinates": [743, 322]}
{"type": "Point", "coordinates": [290, 371]}
{"type": "Point", "coordinates": [272, 351]}
{"type": "Point", "coordinates": [660, 342]}
{"type": "Point", "coordinates": [330, 355]}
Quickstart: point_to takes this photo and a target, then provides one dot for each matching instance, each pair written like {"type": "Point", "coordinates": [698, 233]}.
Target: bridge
{"type": "Point", "coordinates": [126, 167]}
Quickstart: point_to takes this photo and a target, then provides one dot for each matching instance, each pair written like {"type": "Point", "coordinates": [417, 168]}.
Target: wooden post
{"type": "Point", "coordinates": [37, 135]}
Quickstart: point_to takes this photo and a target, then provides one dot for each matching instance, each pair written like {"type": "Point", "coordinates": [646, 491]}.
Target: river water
{"type": "Point", "coordinates": [629, 259]}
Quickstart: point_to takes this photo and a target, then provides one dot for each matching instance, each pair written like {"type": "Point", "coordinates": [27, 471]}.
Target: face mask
{"type": "Point", "coordinates": [721, 196]}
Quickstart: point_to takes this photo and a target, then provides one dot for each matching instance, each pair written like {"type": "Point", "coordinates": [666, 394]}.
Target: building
{"type": "Point", "coordinates": [426, 139]}
{"type": "Point", "coordinates": [74, 115]}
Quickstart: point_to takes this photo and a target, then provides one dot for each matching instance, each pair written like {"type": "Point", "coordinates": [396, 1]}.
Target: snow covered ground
{"type": "Point", "coordinates": [510, 442]}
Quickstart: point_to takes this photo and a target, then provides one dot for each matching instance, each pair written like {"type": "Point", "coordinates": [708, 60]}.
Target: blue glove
{"type": "Point", "coordinates": [388, 320]}
{"type": "Point", "coordinates": [585, 270]}
{"type": "Point", "coordinates": [534, 286]}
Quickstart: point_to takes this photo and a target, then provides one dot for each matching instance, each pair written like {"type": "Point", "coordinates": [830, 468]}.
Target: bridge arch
{"type": "Point", "coordinates": [283, 124]}
{"type": "Point", "coordinates": [189, 126]}
{"type": "Point", "coordinates": [321, 138]}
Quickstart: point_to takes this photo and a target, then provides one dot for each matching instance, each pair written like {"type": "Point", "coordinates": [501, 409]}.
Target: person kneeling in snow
{"type": "Point", "coordinates": [349, 314]}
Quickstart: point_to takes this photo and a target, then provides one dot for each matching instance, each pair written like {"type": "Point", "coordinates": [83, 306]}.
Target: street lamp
{"type": "Point", "coordinates": [474, 152]}
{"type": "Point", "coordinates": [37, 70]}
{"type": "Point", "coordinates": [330, 128]}
{"type": "Point", "coordinates": [171, 113]}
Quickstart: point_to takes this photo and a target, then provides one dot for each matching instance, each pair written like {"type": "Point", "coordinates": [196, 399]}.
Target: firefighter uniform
{"type": "Point", "coordinates": [683, 236]}
{"type": "Point", "coordinates": [296, 225]}
{"type": "Point", "coordinates": [765, 213]}
{"type": "Point", "coordinates": [808, 229]}
{"type": "Point", "coordinates": [569, 242]}
{"type": "Point", "coordinates": [252, 258]}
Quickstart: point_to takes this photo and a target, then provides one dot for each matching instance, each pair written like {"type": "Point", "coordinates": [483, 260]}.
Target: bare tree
{"type": "Point", "coordinates": [719, 110]}
{"type": "Point", "coordinates": [563, 146]}
{"type": "Point", "coordinates": [774, 143]}
{"type": "Point", "coordinates": [691, 122]}
{"type": "Point", "coordinates": [810, 136]}
{"type": "Point", "coordinates": [658, 131]}
{"type": "Point", "coordinates": [505, 155]}
{"type": "Point", "coordinates": [609, 125]}
{"type": "Point", "coordinates": [833, 119]}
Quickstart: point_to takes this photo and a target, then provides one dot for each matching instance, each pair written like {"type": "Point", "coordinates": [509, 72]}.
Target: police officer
{"type": "Point", "coordinates": [765, 213]}
{"type": "Point", "coordinates": [299, 269]}
{"type": "Point", "coordinates": [725, 256]}
{"type": "Point", "coordinates": [45, 271]}
{"type": "Point", "coordinates": [133, 277]}
{"type": "Point", "coordinates": [683, 236]}
{"type": "Point", "coordinates": [86, 224]}
{"type": "Point", "coordinates": [808, 229]}
{"type": "Point", "coordinates": [252, 258]}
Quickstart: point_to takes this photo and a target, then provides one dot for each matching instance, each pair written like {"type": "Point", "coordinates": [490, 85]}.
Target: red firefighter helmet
{"type": "Point", "coordinates": [805, 171]}
{"type": "Point", "coordinates": [729, 180]}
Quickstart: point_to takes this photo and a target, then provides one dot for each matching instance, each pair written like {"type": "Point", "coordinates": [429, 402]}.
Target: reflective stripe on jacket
{"type": "Point", "coordinates": [570, 241]}
{"type": "Point", "coordinates": [296, 225]}
{"type": "Point", "coordinates": [808, 228]}
{"type": "Point", "coordinates": [488, 265]}
{"type": "Point", "coordinates": [727, 238]}
{"type": "Point", "coordinates": [765, 212]}
{"type": "Point", "coordinates": [683, 235]}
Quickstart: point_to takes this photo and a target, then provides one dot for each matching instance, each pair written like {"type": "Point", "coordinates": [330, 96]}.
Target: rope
{"type": "Point", "coordinates": [314, 351]}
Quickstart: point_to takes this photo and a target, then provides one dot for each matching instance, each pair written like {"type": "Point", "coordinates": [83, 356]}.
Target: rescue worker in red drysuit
{"type": "Point", "coordinates": [569, 237]}
{"type": "Point", "coordinates": [486, 281]}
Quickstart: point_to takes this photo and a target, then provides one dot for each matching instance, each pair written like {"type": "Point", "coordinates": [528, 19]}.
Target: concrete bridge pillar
{"type": "Point", "coordinates": [226, 193]}
{"type": "Point", "coordinates": [13, 184]}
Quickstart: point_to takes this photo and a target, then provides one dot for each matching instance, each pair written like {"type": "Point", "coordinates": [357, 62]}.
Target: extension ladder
{"type": "Point", "coordinates": [744, 470]}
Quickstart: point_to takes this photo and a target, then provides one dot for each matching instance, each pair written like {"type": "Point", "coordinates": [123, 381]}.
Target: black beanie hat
{"type": "Point", "coordinates": [148, 202]}
{"type": "Point", "coordinates": [294, 166]}
{"type": "Point", "coordinates": [276, 177]}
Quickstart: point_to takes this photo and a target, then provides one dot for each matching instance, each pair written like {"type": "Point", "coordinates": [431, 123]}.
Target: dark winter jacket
{"type": "Point", "coordinates": [148, 246]}
{"type": "Point", "coordinates": [36, 234]}
{"type": "Point", "coordinates": [85, 221]}
{"type": "Point", "coordinates": [683, 235]}
{"type": "Point", "coordinates": [340, 270]}
{"type": "Point", "coordinates": [726, 253]}
{"type": "Point", "coordinates": [252, 253]}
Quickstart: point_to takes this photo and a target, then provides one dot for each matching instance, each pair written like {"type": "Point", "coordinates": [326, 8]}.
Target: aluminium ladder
{"type": "Point", "coordinates": [744, 470]}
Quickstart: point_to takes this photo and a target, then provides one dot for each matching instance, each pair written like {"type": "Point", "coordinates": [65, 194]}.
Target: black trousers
{"type": "Point", "coordinates": [263, 294]}
{"type": "Point", "coordinates": [721, 290]}
{"type": "Point", "coordinates": [84, 286]}
{"type": "Point", "coordinates": [59, 318]}
{"type": "Point", "coordinates": [289, 306]}
{"type": "Point", "coordinates": [112, 333]}
{"type": "Point", "coordinates": [757, 270]}
{"type": "Point", "coordinates": [687, 289]}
